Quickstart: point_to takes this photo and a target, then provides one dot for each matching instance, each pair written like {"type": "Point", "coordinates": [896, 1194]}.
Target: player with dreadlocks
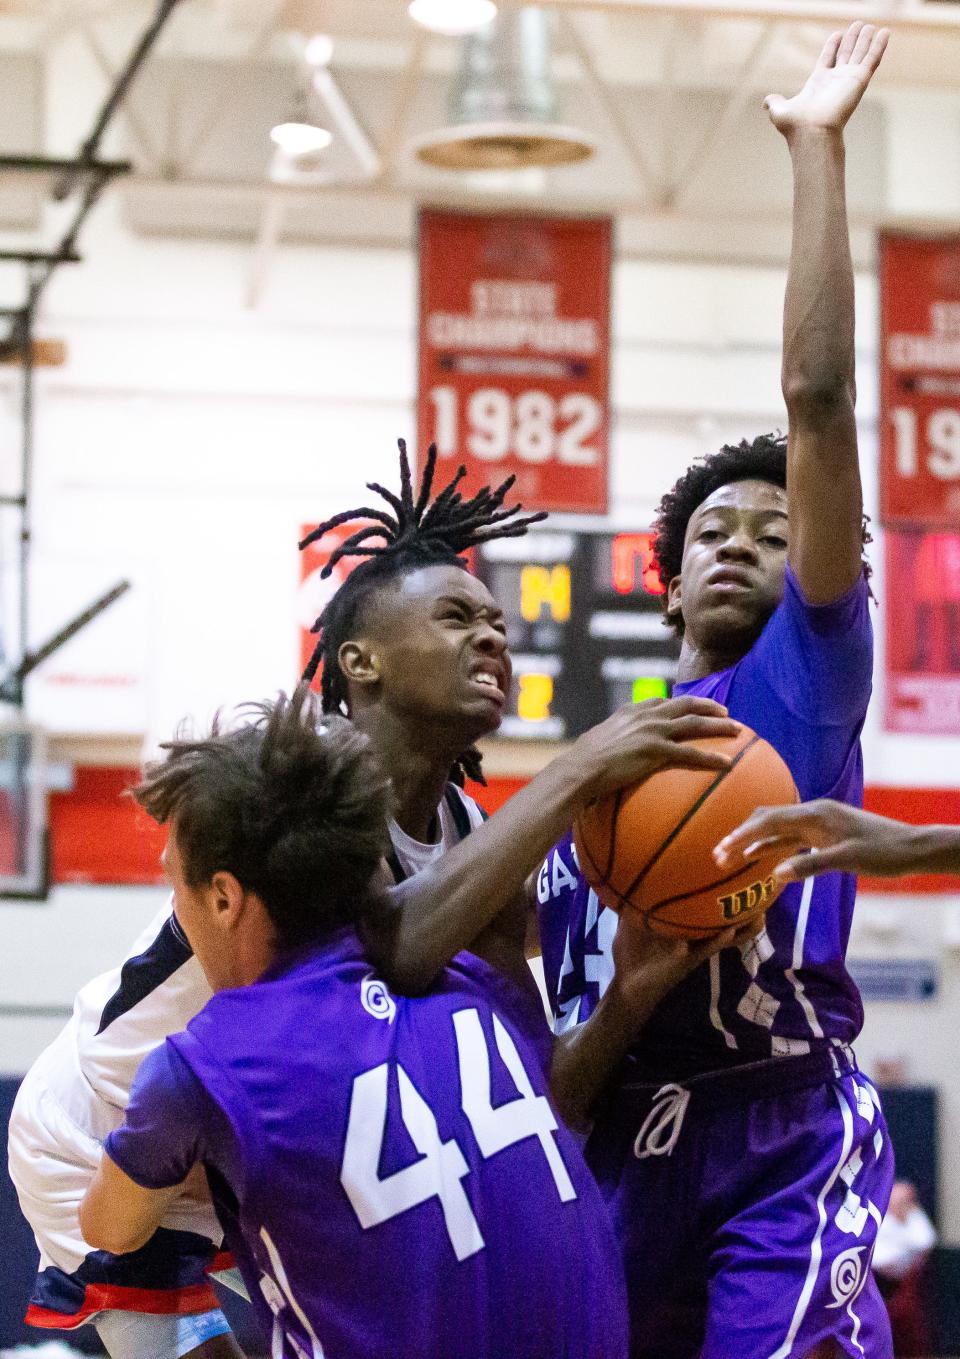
{"type": "Point", "coordinates": [417, 654]}
{"type": "Point", "coordinates": [741, 1137]}
{"type": "Point", "coordinates": [414, 651]}
{"type": "Point", "coordinates": [419, 534]}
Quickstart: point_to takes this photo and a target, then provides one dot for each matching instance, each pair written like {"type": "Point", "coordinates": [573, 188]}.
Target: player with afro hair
{"type": "Point", "coordinates": [741, 1135]}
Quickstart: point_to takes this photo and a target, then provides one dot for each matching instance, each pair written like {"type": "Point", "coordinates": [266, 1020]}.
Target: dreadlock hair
{"type": "Point", "coordinates": [419, 532]}
{"type": "Point", "coordinates": [294, 806]}
{"type": "Point", "coordinates": [760, 459]}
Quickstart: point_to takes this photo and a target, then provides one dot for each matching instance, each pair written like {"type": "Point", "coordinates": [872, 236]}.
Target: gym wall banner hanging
{"type": "Point", "coordinates": [921, 604]}
{"type": "Point", "coordinates": [920, 382]}
{"type": "Point", "coordinates": [514, 353]}
{"type": "Point", "coordinates": [920, 480]}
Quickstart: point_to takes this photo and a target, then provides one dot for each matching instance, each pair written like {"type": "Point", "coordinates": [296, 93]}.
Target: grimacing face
{"type": "Point", "coordinates": [734, 559]}
{"type": "Point", "coordinates": [442, 650]}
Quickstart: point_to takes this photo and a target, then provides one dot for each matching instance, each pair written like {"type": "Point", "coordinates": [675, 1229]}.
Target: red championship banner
{"type": "Point", "coordinates": [514, 353]}
{"type": "Point", "coordinates": [921, 600]}
{"type": "Point", "coordinates": [920, 382]}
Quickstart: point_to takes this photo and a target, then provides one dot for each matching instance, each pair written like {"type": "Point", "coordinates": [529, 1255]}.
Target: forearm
{"type": "Point", "coordinates": [929, 849]}
{"type": "Point", "coordinates": [823, 470]}
{"type": "Point", "coordinates": [818, 321]}
{"type": "Point", "coordinates": [119, 1216]}
{"type": "Point", "coordinates": [586, 1057]}
{"type": "Point", "coordinates": [445, 907]}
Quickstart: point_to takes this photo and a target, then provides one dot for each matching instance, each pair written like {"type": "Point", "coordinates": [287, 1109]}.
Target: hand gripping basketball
{"type": "Point", "coordinates": [640, 738]}
{"type": "Point", "coordinates": [647, 850]}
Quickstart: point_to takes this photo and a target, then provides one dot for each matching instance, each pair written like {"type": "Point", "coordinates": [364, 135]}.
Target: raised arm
{"type": "Point", "coordinates": [823, 472]}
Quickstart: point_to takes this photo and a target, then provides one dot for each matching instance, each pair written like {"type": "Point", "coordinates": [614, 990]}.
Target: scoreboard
{"type": "Point", "coordinates": [585, 626]}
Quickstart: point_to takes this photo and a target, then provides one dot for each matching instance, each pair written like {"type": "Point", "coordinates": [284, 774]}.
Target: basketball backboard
{"type": "Point", "coordinates": [24, 854]}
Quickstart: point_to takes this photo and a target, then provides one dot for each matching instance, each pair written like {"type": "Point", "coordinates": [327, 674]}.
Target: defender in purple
{"type": "Point", "coordinates": [389, 1170]}
{"type": "Point", "coordinates": [743, 1155]}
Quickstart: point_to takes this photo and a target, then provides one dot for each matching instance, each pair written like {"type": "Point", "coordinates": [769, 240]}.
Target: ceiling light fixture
{"type": "Point", "coordinates": [452, 17]}
{"type": "Point", "coordinates": [319, 50]}
{"type": "Point", "coordinates": [298, 139]}
{"type": "Point", "coordinates": [502, 113]}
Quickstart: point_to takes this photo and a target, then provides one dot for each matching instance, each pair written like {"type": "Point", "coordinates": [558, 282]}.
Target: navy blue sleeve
{"type": "Point", "coordinates": [162, 1135]}
{"type": "Point", "coordinates": [805, 686]}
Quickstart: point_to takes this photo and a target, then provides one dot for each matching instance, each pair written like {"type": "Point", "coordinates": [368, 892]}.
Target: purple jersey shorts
{"type": "Point", "coordinates": [747, 1204]}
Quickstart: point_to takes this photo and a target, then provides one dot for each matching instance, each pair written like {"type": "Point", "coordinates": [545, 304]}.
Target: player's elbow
{"type": "Point", "coordinates": [820, 397]}
{"type": "Point", "coordinates": [107, 1231]}
{"type": "Point", "coordinates": [402, 958]}
{"type": "Point", "coordinates": [410, 976]}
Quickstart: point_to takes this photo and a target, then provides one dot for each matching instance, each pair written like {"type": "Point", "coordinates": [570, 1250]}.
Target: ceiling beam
{"type": "Point", "coordinates": [608, 101]}
{"type": "Point", "coordinates": [742, 95]}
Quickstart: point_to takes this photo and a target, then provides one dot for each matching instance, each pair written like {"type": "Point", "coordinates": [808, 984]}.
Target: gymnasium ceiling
{"type": "Point", "coordinates": [671, 89]}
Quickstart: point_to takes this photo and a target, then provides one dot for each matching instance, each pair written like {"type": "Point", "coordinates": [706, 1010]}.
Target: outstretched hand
{"type": "Point", "coordinates": [640, 738]}
{"type": "Point", "coordinates": [836, 84]}
{"type": "Point", "coordinates": [839, 839]}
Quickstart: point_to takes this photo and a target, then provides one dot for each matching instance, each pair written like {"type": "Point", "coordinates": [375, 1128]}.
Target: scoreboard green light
{"type": "Point", "coordinates": [648, 686]}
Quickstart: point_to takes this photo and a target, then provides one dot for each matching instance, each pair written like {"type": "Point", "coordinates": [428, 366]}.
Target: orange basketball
{"type": "Point", "coordinates": [649, 848]}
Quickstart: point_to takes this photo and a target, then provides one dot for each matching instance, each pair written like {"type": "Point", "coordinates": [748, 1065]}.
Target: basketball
{"type": "Point", "coordinates": [648, 849]}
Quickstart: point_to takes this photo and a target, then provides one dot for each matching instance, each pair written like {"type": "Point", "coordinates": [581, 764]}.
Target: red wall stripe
{"type": "Point", "coordinates": [97, 835]}
{"type": "Point", "coordinates": [100, 836]}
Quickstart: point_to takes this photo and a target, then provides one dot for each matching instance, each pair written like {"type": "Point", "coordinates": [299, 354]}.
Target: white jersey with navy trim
{"type": "Point", "coordinates": [457, 814]}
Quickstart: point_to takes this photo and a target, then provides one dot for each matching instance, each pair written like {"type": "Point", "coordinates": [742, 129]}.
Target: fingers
{"type": "Point", "coordinates": [864, 44]}
{"type": "Point", "coordinates": [766, 827]}
{"type": "Point", "coordinates": [701, 728]}
{"type": "Point", "coordinates": [682, 756]}
{"type": "Point", "coordinates": [836, 859]}
{"type": "Point", "coordinates": [877, 48]}
{"type": "Point", "coordinates": [849, 42]}
{"type": "Point", "coordinates": [861, 45]}
{"type": "Point", "coordinates": [828, 56]}
{"type": "Point", "coordinates": [681, 707]}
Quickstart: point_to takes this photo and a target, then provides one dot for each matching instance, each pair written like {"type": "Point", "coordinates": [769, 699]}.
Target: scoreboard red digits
{"type": "Point", "coordinates": [514, 353]}
{"type": "Point", "coordinates": [632, 564]}
{"type": "Point", "coordinates": [585, 625]}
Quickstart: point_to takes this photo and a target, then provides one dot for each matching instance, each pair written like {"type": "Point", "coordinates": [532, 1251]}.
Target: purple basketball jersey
{"type": "Point", "coordinates": [804, 686]}
{"type": "Point", "coordinates": [389, 1170]}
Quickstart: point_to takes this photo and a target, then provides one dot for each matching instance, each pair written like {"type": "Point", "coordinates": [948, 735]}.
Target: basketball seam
{"type": "Point", "coordinates": [698, 891]}
{"type": "Point", "coordinates": [691, 812]}
{"type": "Point", "coordinates": [613, 834]}
{"type": "Point", "coordinates": [687, 931]}
{"type": "Point", "coordinates": [589, 857]}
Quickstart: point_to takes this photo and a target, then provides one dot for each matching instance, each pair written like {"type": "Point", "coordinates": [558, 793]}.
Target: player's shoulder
{"type": "Point", "coordinates": [158, 986]}
{"type": "Point", "coordinates": [847, 616]}
{"type": "Point", "coordinates": [465, 809]}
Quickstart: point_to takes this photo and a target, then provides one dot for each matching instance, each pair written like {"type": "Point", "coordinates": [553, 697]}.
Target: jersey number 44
{"type": "Point", "coordinates": [442, 1165]}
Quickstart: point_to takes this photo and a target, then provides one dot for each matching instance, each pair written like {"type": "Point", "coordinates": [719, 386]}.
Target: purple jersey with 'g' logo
{"type": "Point", "coordinates": [804, 686]}
{"type": "Point", "coordinates": [389, 1170]}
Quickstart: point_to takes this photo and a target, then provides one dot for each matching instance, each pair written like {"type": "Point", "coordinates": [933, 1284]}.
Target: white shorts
{"type": "Point", "coordinates": [134, 1335]}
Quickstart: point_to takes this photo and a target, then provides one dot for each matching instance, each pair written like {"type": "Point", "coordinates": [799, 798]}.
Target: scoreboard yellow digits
{"type": "Point", "coordinates": [541, 587]}
{"type": "Point", "coordinates": [534, 697]}
{"type": "Point", "coordinates": [584, 620]}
